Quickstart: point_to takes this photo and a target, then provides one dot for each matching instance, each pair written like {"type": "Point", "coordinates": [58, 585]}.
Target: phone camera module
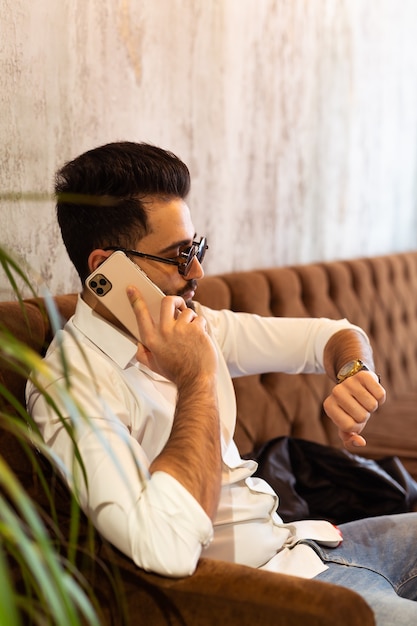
{"type": "Point", "coordinates": [100, 285]}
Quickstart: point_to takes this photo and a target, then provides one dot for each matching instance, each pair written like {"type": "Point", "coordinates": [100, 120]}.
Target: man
{"type": "Point", "coordinates": [164, 480]}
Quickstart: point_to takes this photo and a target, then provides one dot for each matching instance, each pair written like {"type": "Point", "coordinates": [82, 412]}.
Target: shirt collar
{"type": "Point", "coordinates": [116, 344]}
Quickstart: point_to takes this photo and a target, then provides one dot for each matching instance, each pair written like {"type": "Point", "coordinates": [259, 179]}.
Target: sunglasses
{"type": "Point", "coordinates": [197, 250]}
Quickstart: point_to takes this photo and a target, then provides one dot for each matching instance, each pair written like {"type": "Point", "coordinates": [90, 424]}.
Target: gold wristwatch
{"type": "Point", "coordinates": [350, 369]}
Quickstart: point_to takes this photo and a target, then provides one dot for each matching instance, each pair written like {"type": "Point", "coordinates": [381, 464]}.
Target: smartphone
{"type": "Point", "coordinates": [109, 281]}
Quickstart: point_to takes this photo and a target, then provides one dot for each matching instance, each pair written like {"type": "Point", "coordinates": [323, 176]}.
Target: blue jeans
{"type": "Point", "coordinates": [378, 559]}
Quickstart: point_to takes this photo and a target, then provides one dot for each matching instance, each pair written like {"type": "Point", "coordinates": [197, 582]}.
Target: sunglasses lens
{"type": "Point", "coordinates": [184, 268]}
{"type": "Point", "coordinates": [201, 249]}
{"type": "Point", "coordinates": [197, 250]}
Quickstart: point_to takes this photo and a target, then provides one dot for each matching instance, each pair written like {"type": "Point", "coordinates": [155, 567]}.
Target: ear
{"type": "Point", "coordinates": [97, 257]}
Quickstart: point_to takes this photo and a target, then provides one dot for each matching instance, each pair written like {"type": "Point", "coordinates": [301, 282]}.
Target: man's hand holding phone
{"type": "Point", "coordinates": [178, 347]}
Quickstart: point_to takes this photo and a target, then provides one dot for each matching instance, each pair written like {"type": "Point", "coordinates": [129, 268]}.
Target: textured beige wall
{"type": "Point", "coordinates": [298, 119]}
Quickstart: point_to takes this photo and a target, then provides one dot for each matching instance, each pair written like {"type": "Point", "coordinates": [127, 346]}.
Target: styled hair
{"type": "Point", "coordinates": [100, 196]}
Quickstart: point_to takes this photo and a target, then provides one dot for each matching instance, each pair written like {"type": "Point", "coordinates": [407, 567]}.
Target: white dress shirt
{"type": "Point", "coordinates": [122, 414]}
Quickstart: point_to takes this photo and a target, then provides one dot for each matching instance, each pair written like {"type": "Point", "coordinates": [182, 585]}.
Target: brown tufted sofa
{"type": "Point", "coordinates": [379, 294]}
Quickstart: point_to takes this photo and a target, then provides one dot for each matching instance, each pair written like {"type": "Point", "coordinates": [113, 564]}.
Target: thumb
{"type": "Point", "coordinates": [352, 439]}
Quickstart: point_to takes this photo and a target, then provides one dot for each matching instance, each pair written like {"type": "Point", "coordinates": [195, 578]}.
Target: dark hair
{"type": "Point", "coordinates": [100, 196]}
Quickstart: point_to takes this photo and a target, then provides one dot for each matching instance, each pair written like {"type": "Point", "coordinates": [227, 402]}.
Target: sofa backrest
{"type": "Point", "coordinates": [379, 294]}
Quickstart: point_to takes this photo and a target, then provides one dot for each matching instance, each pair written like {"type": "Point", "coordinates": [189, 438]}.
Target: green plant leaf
{"type": "Point", "coordinates": [8, 612]}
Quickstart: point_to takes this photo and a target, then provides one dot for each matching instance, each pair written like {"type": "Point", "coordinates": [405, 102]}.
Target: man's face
{"type": "Point", "coordinates": [171, 230]}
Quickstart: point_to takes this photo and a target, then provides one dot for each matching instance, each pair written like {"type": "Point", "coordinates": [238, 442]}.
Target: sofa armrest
{"type": "Point", "coordinates": [231, 594]}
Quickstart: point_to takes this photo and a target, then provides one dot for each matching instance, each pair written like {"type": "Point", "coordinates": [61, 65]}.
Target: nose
{"type": "Point", "coordinates": [196, 270]}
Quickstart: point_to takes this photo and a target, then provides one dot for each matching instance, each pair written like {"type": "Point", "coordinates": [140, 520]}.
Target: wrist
{"type": "Point", "coordinates": [199, 383]}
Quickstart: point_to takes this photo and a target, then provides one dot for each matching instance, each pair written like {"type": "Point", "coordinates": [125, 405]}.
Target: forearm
{"type": "Point", "coordinates": [192, 454]}
{"type": "Point", "coordinates": [344, 346]}
{"type": "Point", "coordinates": [352, 402]}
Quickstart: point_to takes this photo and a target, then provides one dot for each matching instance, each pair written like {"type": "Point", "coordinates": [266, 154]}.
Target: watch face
{"type": "Point", "coordinates": [352, 366]}
{"type": "Point", "coordinates": [350, 369]}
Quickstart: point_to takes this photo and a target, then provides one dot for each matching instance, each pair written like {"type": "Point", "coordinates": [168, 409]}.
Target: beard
{"type": "Point", "coordinates": [191, 285]}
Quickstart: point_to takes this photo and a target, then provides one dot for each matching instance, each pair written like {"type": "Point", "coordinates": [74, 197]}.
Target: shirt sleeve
{"type": "Point", "coordinates": [153, 519]}
{"type": "Point", "coordinates": [252, 344]}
